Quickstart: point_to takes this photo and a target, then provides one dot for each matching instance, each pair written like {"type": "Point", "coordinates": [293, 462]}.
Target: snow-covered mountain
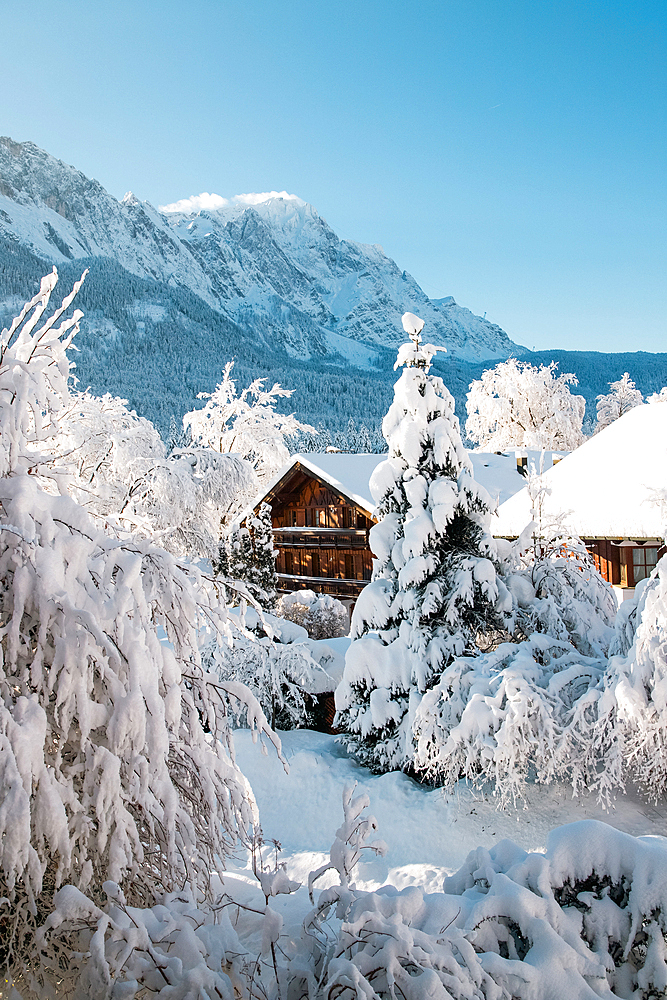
{"type": "Point", "coordinates": [268, 262]}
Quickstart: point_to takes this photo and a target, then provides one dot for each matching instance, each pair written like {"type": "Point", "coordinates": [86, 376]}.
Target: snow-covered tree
{"type": "Point", "coordinates": [280, 669]}
{"type": "Point", "coordinates": [264, 575]}
{"type": "Point", "coordinates": [246, 554]}
{"type": "Point", "coordinates": [115, 766]}
{"type": "Point", "coordinates": [120, 472]}
{"type": "Point", "coordinates": [434, 591]}
{"type": "Point", "coordinates": [517, 405]}
{"type": "Point", "coordinates": [624, 396]}
{"type": "Point", "coordinates": [634, 709]}
{"type": "Point", "coordinates": [322, 616]}
{"type": "Point", "coordinates": [524, 711]}
{"type": "Point", "coordinates": [246, 423]}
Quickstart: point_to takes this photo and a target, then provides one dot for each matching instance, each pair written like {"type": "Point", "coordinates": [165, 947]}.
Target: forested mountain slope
{"type": "Point", "coordinates": [172, 295]}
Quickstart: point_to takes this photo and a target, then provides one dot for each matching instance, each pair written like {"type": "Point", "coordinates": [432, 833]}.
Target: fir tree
{"type": "Point", "coordinates": [263, 574]}
{"type": "Point", "coordinates": [246, 554]}
{"type": "Point", "coordinates": [434, 589]}
{"type": "Point", "coordinates": [240, 555]}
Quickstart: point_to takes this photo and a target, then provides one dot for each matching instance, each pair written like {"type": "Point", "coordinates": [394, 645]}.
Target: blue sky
{"type": "Point", "coordinates": [512, 153]}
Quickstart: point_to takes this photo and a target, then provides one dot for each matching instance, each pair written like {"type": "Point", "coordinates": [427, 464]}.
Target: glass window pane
{"type": "Point", "coordinates": [640, 573]}
{"type": "Point", "coordinates": [651, 557]}
{"type": "Point", "coordinates": [638, 557]}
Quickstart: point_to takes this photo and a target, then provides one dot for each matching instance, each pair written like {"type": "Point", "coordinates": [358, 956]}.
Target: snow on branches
{"type": "Point", "coordinates": [121, 474]}
{"type": "Point", "coordinates": [246, 423]}
{"type": "Point", "coordinates": [623, 397]}
{"type": "Point", "coordinates": [434, 587]}
{"type": "Point", "coordinates": [116, 759]}
{"type": "Point", "coordinates": [633, 711]}
{"type": "Point", "coordinates": [519, 405]}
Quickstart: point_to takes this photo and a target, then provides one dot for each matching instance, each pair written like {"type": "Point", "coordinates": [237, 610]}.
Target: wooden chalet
{"type": "Point", "coordinates": [322, 512]}
{"type": "Point", "coordinates": [321, 523]}
{"type": "Point", "coordinates": [608, 493]}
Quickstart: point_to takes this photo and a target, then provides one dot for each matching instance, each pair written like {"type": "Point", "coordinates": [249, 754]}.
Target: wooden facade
{"type": "Point", "coordinates": [321, 536]}
{"type": "Point", "coordinates": [624, 562]}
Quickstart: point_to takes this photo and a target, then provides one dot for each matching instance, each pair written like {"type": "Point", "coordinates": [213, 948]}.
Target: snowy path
{"type": "Point", "coordinates": [428, 834]}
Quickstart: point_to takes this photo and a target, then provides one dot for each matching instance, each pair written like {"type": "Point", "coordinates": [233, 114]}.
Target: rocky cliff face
{"type": "Point", "coordinates": [269, 263]}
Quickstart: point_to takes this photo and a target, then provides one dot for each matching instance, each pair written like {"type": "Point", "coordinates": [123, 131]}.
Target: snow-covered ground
{"type": "Point", "coordinates": [428, 833]}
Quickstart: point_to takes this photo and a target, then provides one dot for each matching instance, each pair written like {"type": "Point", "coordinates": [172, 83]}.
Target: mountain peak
{"type": "Point", "coordinates": [206, 202]}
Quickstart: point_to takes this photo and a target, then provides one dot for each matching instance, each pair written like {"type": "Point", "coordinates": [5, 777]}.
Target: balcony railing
{"type": "Point", "coordinates": [324, 584]}
{"type": "Point", "coordinates": [331, 538]}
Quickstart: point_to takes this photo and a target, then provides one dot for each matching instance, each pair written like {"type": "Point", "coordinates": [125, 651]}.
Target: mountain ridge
{"type": "Point", "coordinates": [275, 257]}
{"type": "Point", "coordinates": [150, 338]}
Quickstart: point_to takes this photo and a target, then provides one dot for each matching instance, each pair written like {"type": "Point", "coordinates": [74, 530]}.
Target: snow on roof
{"type": "Point", "coordinates": [350, 474]}
{"type": "Point", "coordinates": [606, 487]}
{"type": "Point", "coordinates": [498, 473]}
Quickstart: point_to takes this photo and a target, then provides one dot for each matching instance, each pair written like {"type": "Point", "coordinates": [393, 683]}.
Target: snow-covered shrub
{"type": "Point", "coordinates": [572, 601]}
{"type": "Point", "coordinates": [519, 405]}
{"type": "Point", "coordinates": [176, 948]}
{"type": "Point", "coordinates": [556, 587]}
{"type": "Point", "coordinates": [434, 592]}
{"type": "Point", "coordinates": [246, 424]}
{"type": "Point", "coordinates": [283, 676]}
{"type": "Point", "coordinates": [587, 918]}
{"type": "Point", "coordinates": [623, 397]}
{"type": "Point", "coordinates": [322, 616]}
{"type": "Point", "coordinates": [115, 759]}
{"type": "Point", "coordinates": [635, 704]}
{"type": "Point", "coordinates": [508, 717]}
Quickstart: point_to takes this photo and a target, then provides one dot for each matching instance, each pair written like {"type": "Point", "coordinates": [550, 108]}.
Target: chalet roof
{"type": "Point", "coordinates": [350, 474]}
{"type": "Point", "coordinates": [346, 474]}
{"type": "Point", "coordinates": [607, 487]}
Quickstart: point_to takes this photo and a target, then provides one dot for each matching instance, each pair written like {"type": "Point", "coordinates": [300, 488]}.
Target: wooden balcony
{"type": "Point", "coordinates": [288, 583]}
{"type": "Point", "coordinates": [322, 538]}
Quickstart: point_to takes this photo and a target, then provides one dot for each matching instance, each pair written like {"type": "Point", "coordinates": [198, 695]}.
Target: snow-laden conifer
{"type": "Point", "coordinates": [434, 590]}
{"type": "Point", "coordinates": [263, 575]}
{"type": "Point", "coordinates": [114, 763]}
{"type": "Point", "coordinates": [246, 555]}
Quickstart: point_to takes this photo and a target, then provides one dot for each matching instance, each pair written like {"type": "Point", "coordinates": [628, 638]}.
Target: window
{"type": "Point", "coordinates": [293, 518]}
{"type": "Point", "coordinates": [316, 564]}
{"type": "Point", "coordinates": [289, 562]}
{"type": "Point", "coordinates": [644, 561]}
{"type": "Point", "coordinates": [320, 518]}
{"type": "Point", "coordinates": [349, 567]}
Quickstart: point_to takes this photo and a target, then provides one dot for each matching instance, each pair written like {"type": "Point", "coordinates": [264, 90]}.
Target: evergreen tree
{"type": "Point", "coordinates": [240, 555]}
{"type": "Point", "coordinates": [247, 554]}
{"type": "Point", "coordinates": [434, 591]}
{"type": "Point", "coordinates": [263, 574]}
